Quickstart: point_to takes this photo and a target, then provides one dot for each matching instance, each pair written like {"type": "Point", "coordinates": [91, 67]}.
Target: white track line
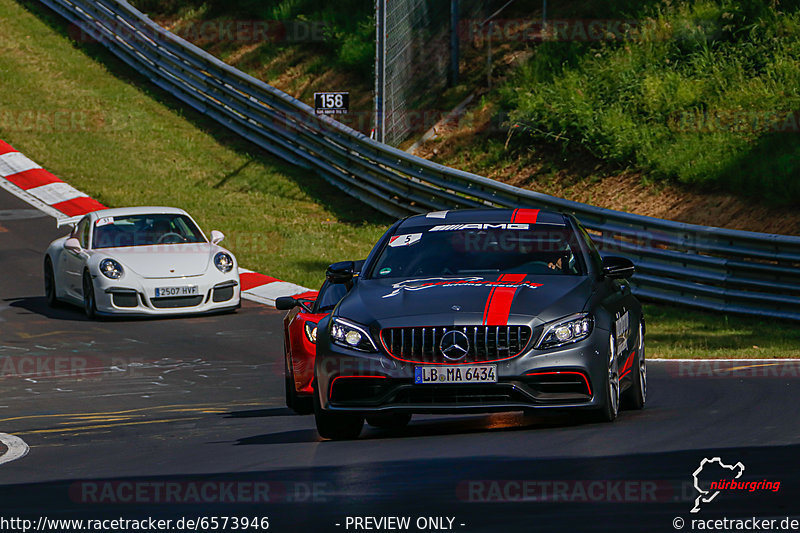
{"type": "Point", "coordinates": [17, 448]}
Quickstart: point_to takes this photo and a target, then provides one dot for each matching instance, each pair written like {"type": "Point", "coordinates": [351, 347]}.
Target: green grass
{"type": "Point", "coordinates": [686, 96]}
{"type": "Point", "coordinates": [139, 148]}
{"type": "Point", "coordinates": [676, 332]}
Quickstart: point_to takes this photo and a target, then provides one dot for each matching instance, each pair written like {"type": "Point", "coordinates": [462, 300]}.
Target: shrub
{"type": "Point", "coordinates": [687, 96]}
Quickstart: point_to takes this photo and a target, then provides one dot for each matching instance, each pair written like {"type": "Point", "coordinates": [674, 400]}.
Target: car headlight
{"type": "Point", "coordinates": [565, 331]}
{"type": "Point", "coordinates": [223, 262]}
{"type": "Point", "coordinates": [351, 335]}
{"type": "Point", "coordinates": [111, 269]}
{"type": "Point", "coordinates": [311, 332]}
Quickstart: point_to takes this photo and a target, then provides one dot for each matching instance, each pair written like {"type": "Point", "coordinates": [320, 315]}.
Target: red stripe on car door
{"type": "Point", "coordinates": [628, 366]}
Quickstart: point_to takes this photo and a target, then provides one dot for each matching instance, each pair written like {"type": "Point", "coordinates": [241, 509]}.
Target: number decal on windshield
{"type": "Point", "coordinates": [404, 240]}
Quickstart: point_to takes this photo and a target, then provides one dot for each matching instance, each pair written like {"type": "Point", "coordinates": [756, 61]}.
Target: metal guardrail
{"type": "Point", "coordinates": [698, 266]}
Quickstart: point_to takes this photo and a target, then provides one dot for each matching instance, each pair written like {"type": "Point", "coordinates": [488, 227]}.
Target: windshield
{"type": "Point", "coordinates": [145, 230]}
{"type": "Point", "coordinates": [330, 295]}
{"type": "Point", "coordinates": [444, 251]}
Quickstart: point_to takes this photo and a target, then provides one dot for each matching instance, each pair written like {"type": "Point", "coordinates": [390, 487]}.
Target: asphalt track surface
{"type": "Point", "coordinates": [198, 402]}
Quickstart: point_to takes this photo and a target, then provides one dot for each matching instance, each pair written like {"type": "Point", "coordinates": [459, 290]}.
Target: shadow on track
{"type": "Point", "coordinates": [446, 486]}
{"type": "Point", "coordinates": [65, 311]}
{"type": "Point", "coordinates": [259, 413]}
{"type": "Point", "coordinates": [38, 305]}
{"type": "Point", "coordinates": [428, 427]}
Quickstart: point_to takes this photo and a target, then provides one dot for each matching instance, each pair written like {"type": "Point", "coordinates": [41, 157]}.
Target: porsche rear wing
{"type": "Point", "coordinates": [72, 221]}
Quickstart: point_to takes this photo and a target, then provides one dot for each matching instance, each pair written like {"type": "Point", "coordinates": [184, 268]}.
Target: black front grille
{"type": "Point", "coordinates": [486, 343]}
{"type": "Point", "coordinates": [361, 390]}
{"type": "Point", "coordinates": [177, 301]}
{"type": "Point", "coordinates": [125, 299]}
{"type": "Point", "coordinates": [223, 294]}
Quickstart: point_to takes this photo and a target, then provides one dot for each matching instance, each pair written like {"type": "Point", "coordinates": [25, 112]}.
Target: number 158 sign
{"type": "Point", "coordinates": [335, 103]}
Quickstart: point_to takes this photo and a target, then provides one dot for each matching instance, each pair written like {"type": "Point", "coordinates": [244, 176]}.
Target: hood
{"type": "Point", "coordinates": [164, 260]}
{"type": "Point", "coordinates": [470, 300]}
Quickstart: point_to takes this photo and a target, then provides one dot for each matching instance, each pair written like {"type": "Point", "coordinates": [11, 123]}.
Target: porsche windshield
{"type": "Point", "coordinates": [145, 230]}
{"type": "Point", "coordinates": [430, 251]}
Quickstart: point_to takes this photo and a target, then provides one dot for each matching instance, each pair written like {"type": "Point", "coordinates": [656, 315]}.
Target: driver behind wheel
{"type": "Point", "coordinates": [160, 228]}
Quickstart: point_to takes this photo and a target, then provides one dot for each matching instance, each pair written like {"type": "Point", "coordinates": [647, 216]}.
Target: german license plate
{"type": "Point", "coordinates": [430, 375]}
{"type": "Point", "coordinates": [163, 292]}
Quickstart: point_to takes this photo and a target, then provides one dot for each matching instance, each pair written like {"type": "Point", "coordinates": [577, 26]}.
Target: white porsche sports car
{"type": "Point", "coordinates": [141, 261]}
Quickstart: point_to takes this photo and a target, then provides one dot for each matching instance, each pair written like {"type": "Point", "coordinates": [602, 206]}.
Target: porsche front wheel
{"type": "Point", "coordinates": [50, 283]}
{"type": "Point", "coordinates": [89, 302]}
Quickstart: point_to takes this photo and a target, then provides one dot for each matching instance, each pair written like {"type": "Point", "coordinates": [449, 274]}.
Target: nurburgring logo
{"type": "Point", "coordinates": [713, 477]}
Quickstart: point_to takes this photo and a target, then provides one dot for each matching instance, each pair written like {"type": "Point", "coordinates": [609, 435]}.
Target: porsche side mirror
{"type": "Point", "coordinates": [72, 244]}
{"type": "Point", "coordinates": [285, 303]}
{"type": "Point", "coordinates": [618, 267]}
{"type": "Point", "coordinates": [216, 237]}
{"type": "Point", "coordinates": [342, 272]}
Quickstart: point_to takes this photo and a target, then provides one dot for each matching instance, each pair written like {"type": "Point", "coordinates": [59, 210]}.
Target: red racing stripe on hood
{"type": "Point", "coordinates": [498, 305]}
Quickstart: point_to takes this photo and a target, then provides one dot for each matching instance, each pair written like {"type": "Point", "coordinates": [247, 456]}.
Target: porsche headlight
{"type": "Point", "coordinates": [565, 331]}
{"type": "Point", "coordinates": [111, 269]}
{"type": "Point", "coordinates": [350, 335]}
{"type": "Point", "coordinates": [223, 262]}
{"type": "Point", "coordinates": [311, 332]}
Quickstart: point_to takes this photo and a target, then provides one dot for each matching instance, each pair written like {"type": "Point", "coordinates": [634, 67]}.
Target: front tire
{"type": "Point", "coordinates": [336, 426]}
{"type": "Point", "coordinates": [89, 302]}
{"type": "Point", "coordinates": [50, 283]}
{"type": "Point", "coordinates": [302, 405]}
{"type": "Point", "coordinates": [608, 412]}
{"type": "Point", "coordinates": [636, 395]}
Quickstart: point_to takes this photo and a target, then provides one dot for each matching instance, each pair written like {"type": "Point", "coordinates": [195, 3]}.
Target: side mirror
{"type": "Point", "coordinates": [285, 303]}
{"type": "Point", "coordinates": [342, 272]}
{"type": "Point", "coordinates": [216, 237]}
{"type": "Point", "coordinates": [72, 244]}
{"type": "Point", "coordinates": [618, 267]}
